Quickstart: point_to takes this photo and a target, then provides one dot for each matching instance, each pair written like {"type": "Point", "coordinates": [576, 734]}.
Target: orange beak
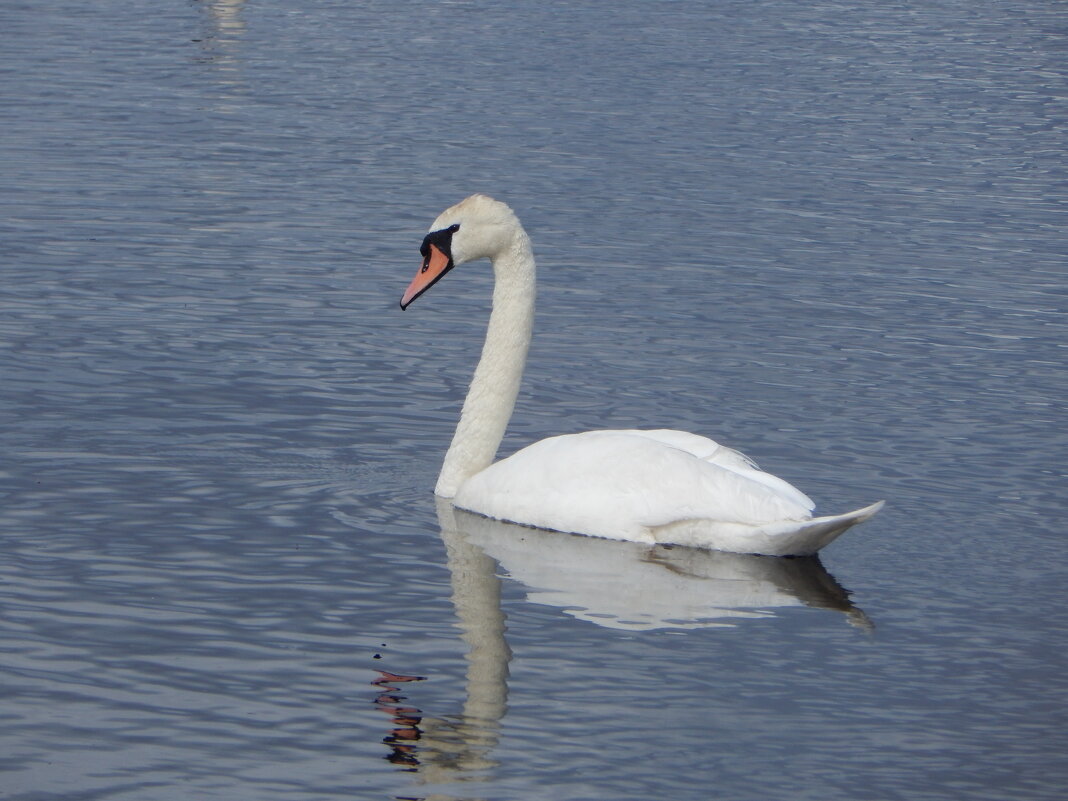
{"type": "Point", "coordinates": [435, 265]}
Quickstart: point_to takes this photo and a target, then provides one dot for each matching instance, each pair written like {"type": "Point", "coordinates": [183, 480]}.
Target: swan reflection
{"type": "Point", "coordinates": [626, 585]}
{"type": "Point", "coordinates": [452, 749]}
{"type": "Point", "coordinates": [619, 585]}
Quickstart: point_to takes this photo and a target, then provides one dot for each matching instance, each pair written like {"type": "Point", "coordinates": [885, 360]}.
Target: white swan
{"type": "Point", "coordinates": [657, 486]}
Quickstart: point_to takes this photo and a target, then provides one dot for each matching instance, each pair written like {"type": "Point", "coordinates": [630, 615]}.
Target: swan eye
{"type": "Point", "coordinates": [442, 240]}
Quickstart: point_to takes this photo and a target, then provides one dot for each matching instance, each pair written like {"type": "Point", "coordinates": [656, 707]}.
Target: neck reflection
{"type": "Point", "coordinates": [613, 584]}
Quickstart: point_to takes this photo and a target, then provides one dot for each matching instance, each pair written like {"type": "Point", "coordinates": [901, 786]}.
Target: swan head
{"type": "Point", "coordinates": [475, 228]}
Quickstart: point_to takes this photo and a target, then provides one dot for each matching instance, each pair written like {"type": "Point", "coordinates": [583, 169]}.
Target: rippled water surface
{"type": "Point", "coordinates": [829, 234]}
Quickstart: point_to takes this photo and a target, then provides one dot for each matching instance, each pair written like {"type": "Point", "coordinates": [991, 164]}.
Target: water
{"type": "Point", "coordinates": [830, 235]}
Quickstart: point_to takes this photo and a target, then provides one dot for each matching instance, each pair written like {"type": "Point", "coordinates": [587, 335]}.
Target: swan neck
{"type": "Point", "coordinates": [495, 384]}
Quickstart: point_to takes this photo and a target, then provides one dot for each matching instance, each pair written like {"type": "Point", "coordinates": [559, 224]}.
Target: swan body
{"type": "Point", "coordinates": [651, 486]}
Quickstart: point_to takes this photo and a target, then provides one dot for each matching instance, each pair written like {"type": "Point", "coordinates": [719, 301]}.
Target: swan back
{"type": "Point", "coordinates": [626, 484]}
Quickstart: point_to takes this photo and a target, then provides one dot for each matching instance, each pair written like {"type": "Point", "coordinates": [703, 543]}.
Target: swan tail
{"type": "Point", "coordinates": [809, 536]}
{"type": "Point", "coordinates": [782, 538]}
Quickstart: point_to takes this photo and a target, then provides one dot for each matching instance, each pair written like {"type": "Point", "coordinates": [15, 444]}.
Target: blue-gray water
{"type": "Point", "coordinates": [831, 235]}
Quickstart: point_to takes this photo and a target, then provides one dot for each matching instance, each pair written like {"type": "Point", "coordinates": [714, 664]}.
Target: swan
{"type": "Point", "coordinates": [650, 486]}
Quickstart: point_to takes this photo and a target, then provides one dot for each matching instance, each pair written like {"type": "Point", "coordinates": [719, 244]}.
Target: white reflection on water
{"type": "Point", "coordinates": [227, 16]}
{"type": "Point", "coordinates": [633, 586]}
{"type": "Point", "coordinates": [220, 45]}
{"type": "Point", "coordinates": [618, 585]}
{"type": "Point", "coordinates": [457, 749]}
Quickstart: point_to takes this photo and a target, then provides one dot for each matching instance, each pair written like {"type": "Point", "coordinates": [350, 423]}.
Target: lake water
{"type": "Point", "coordinates": [829, 234]}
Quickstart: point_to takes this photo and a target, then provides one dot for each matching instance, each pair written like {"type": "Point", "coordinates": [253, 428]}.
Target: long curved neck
{"type": "Point", "coordinates": [495, 385]}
